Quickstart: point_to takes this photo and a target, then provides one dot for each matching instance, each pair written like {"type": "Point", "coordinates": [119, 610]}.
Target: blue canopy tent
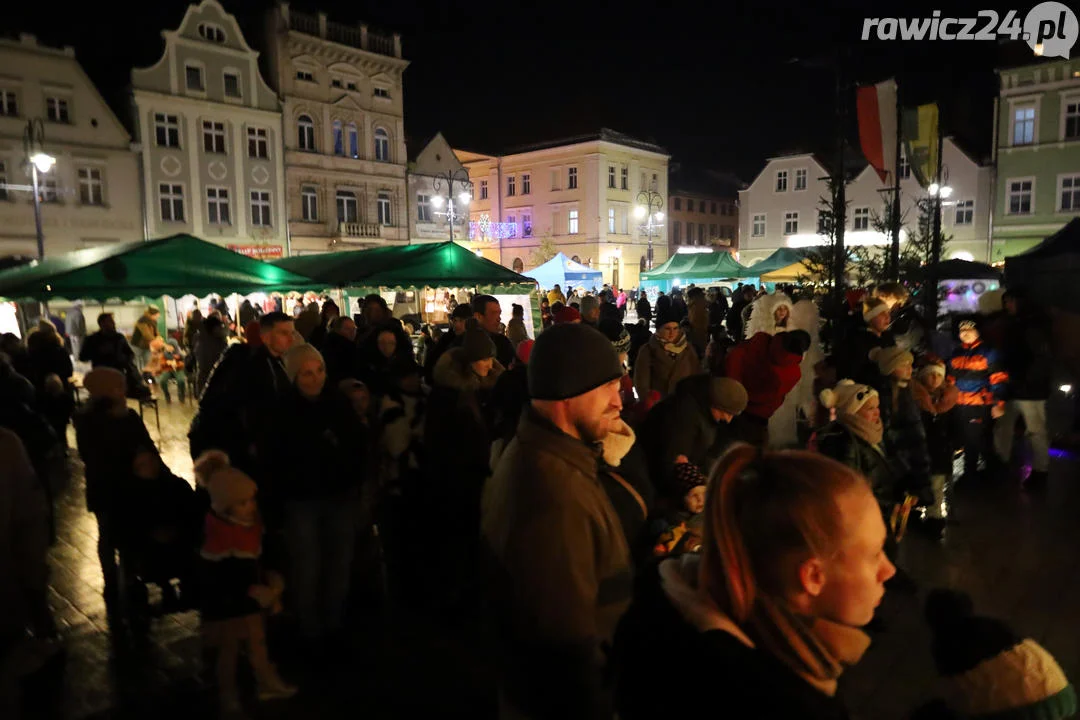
{"type": "Point", "coordinates": [566, 273]}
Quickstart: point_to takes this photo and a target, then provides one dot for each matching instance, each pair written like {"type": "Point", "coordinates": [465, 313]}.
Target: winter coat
{"type": "Point", "coordinates": [698, 314]}
{"type": "Point", "coordinates": [644, 309]}
{"type": "Point", "coordinates": [326, 453]}
{"type": "Point", "coordinates": [76, 325]}
{"type": "Point", "coordinates": [108, 442]}
{"type": "Point", "coordinates": [47, 357]}
{"type": "Point", "coordinates": [625, 478]}
{"type": "Point", "coordinates": [230, 565]}
{"type": "Point", "coordinates": [852, 357]}
{"type": "Point", "coordinates": [682, 424]}
{"type": "Point", "coordinates": [446, 341]}
{"type": "Point", "coordinates": [401, 439]}
{"type": "Point", "coordinates": [515, 331]}
{"type": "Point", "coordinates": [555, 296]}
{"type": "Point", "coordinates": [841, 444]}
{"type": "Point", "coordinates": [24, 538]}
{"type": "Point", "coordinates": [936, 410]}
{"type": "Point", "coordinates": [719, 675]}
{"type": "Point", "coordinates": [458, 429]}
{"type": "Point", "coordinates": [561, 573]}
{"type": "Point", "coordinates": [342, 359]}
{"type": "Point", "coordinates": [307, 322]}
{"type": "Point", "coordinates": [104, 349]}
{"type": "Point", "coordinates": [509, 396]}
{"type": "Point", "coordinates": [1026, 357]}
{"type": "Point", "coordinates": [656, 369]}
{"type": "Point", "coordinates": [766, 370]}
{"type": "Point", "coordinates": [146, 329]}
{"type": "Point", "coordinates": [209, 346]}
{"type": "Point", "coordinates": [979, 375]}
{"type": "Point", "coordinates": [905, 438]}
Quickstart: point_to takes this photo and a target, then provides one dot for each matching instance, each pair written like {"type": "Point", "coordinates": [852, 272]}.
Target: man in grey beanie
{"type": "Point", "coordinates": [562, 572]}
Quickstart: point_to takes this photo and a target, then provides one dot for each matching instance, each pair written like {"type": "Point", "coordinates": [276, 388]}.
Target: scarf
{"type": "Point", "coordinates": [673, 349]}
{"type": "Point", "coordinates": [939, 401]}
{"type": "Point", "coordinates": [863, 428]}
{"type": "Point", "coordinates": [815, 649]}
{"type": "Point", "coordinates": [617, 443]}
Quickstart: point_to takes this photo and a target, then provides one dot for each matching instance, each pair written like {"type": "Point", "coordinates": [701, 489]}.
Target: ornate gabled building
{"type": "Point", "coordinates": [345, 159]}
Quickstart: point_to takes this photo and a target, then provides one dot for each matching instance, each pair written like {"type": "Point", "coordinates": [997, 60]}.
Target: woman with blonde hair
{"type": "Point", "coordinates": [769, 615]}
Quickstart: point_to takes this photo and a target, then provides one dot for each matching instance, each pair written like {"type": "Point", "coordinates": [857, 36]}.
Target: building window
{"type": "Point", "coordinates": [382, 145]}
{"type": "Point", "coordinates": [572, 225]}
{"type": "Point", "coordinates": [384, 209]}
{"type": "Point", "coordinates": [861, 219]}
{"type": "Point", "coordinates": [1024, 125]}
{"type": "Point", "coordinates": [351, 87]}
{"type": "Point", "coordinates": [526, 224]}
{"type": "Point", "coordinates": [3, 182]}
{"type": "Point", "coordinates": [676, 232]}
{"type": "Point", "coordinates": [260, 208]}
{"type": "Point", "coordinates": [50, 192]}
{"type": "Point", "coordinates": [483, 189]}
{"type": "Point", "coordinates": [258, 146]}
{"type": "Point", "coordinates": [423, 208]}
{"type": "Point", "coordinates": [1070, 194]}
{"type": "Point", "coordinates": [217, 206]}
{"type": "Point", "coordinates": [655, 184]}
{"type": "Point", "coordinates": [689, 233]}
{"type": "Point", "coordinates": [791, 223]}
{"type": "Point", "coordinates": [167, 130]}
{"type": "Point", "coordinates": [701, 234]}
{"type": "Point", "coordinates": [339, 138]}
{"type": "Point", "coordinates": [712, 230]}
{"type": "Point", "coordinates": [382, 93]}
{"type": "Point", "coordinates": [346, 207]}
{"type": "Point", "coordinates": [713, 208]}
{"type": "Point", "coordinates": [625, 223]}
{"type": "Point", "coordinates": [611, 177]}
{"type": "Point", "coordinates": [213, 136]}
{"type": "Point", "coordinates": [1020, 197]}
{"type": "Point", "coordinates": [641, 185]}
{"type": "Point", "coordinates": [172, 202]}
{"type": "Point", "coordinates": [1072, 119]}
{"type": "Point", "coordinates": [526, 184]}
{"type": "Point", "coordinates": [9, 107]}
{"type": "Point", "coordinates": [305, 129]}
{"type": "Point", "coordinates": [309, 204]}
{"type": "Point", "coordinates": [194, 77]}
{"type": "Point", "coordinates": [511, 186]}
{"type": "Point", "coordinates": [625, 179]}
{"type": "Point", "coordinates": [335, 83]}
{"type": "Point", "coordinates": [232, 85]}
{"type": "Point", "coordinates": [571, 178]}
{"type": "Point", "coordinates": [800, 179]}
{"type": "Point", "coordinates": [611, 220]}
{"type": "Point", "coordinates": [824, 224]}
{"type": "Point", "coordinates": [676, 203]}
{"type": "Point", "coordinates": [758, 228]}
{"type": "Point", "coordinates": [511, 225]}
{"type": "Point", "coordinates": [354, 141]}
{"type": "Point", "coordinates": [211, 32]}
{"type": "Point", "coordinates": [965, 212]}
{"type": "Point", "coordinates": [305, 75]}
{"type": "Point", "coordinates": [91, 188]}
{"type": "Point", "coordinates": [554, 179]}
{"type": "Point", "coordinates": [781, 181]}
{"type": "Point", "coordinates": [56, 110]}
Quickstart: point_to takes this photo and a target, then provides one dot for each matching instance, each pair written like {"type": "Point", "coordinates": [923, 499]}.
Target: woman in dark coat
{"type": "Point", "coordinates": [51, 370]}
{"type": "Point", "coordinates": [209, 346]}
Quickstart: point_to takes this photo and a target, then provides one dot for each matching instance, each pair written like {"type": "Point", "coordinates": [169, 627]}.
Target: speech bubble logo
{"type": "Point", "coordinates": [1051, 29]}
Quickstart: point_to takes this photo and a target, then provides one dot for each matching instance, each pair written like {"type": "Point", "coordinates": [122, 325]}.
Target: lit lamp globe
{"type": "Point", "coordinates": [437, 201]}
{"type": "Point", "coordinates": [639, 212]}
{"type": "Point", "coordinates": [464, 198]}
{"type": "Point", "coordinates": [945, 191]}
{"type": "Point", "coordinates": [659, 216]}
{"type": "Point", "coordinates": [933, 189]}
{"type": "Point", "coordinates": [43, 161]}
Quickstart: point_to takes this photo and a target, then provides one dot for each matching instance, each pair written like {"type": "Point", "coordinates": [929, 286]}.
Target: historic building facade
{"type": "Point", "coordinates": [431, 195]}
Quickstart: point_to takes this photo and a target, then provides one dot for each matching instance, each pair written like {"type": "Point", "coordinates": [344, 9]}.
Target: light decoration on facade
{"type": "Point", "coordinates": [484, 229]}
{"type": "Point", "coordinates": [851, 237]}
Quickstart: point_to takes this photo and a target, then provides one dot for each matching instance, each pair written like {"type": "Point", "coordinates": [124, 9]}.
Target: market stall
{"type": "Point", "coordinates": [564, 272]}
{"type": "Point", "coordinates": [697, 268]}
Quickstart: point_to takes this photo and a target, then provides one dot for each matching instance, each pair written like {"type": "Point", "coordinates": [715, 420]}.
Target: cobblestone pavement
{"type": "Point", "coordinates": [1015, 553]}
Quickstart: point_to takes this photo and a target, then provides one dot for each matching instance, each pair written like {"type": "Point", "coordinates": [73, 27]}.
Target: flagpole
{"type": "Point", "coordinates": [935, 242]}
{"type": "Point", "coordinates": [894, 251]}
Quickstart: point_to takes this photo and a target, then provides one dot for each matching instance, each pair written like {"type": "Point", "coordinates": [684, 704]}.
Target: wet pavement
{"type": "Point", "coordinates": [1014, 552]}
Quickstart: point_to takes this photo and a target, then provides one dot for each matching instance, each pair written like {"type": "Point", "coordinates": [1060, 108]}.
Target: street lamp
{"type": "Point", "coordinates": [464, 197]}
{"type": "Point", "coordinates": [650, 205]}
{"type": "Point", "coordinates": [39, 161]}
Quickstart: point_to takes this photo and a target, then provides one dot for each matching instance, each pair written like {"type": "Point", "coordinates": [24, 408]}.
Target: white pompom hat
{"type": "Point", "coordinates": [847, 397]}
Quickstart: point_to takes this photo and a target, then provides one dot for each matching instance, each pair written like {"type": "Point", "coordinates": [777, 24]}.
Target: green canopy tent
{"type": "Point", "coordinates": [413, 267]}
{"type": "Point", "coordinates": [178, 265]}
{"type": "Point", "coordinates": [699, 268]}
{"type": "Point", "coordinates": [781, 259]}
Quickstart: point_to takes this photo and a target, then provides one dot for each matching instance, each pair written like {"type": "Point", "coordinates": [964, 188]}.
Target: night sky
{"type": "Point", "coordinates": [718, 86]}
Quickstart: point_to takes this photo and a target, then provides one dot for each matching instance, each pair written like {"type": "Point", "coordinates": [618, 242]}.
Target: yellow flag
{"type": "Point", "coordinates": [920, 136]}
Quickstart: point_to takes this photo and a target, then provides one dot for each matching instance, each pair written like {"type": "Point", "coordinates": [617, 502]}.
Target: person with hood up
{"type": "Point", "coordinates": [987, 670]}
{"type": "Point", "coordinates": [561, 570]}
{"type": "Point", "coordinates": [768, 366]}
{"type": "Point", "coordinates": [769, 614]}
{"type": "Point", "coordinates": [693, 422]}
{"type": "Point", "coordinates": [905, 436]}
{"type": "Point", "coordinates": [936, 399]}
{"type": "Point", "coordinates": [666, 359]}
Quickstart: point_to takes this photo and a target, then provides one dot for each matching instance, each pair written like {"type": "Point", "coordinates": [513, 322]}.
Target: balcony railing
{"type": "Point", "coordinates": [357, 37]}
{"type": "Point", "coordinates": [360, 230]}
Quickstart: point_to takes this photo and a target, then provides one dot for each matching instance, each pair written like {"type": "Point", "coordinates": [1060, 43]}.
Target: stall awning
{"type": "Point", "coordinates": [1051, 269]}
{"type": "Point", "coordinates": [564, 272]}
{"type": "Point", "coordinates": [444, 264]}
{"type": "Point", "coordinates": [697, 266]}
{"type": "Point", "coordinates": [176, 266]}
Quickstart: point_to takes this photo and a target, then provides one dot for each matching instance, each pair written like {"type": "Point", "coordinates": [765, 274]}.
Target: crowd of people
{"type": "Point", "coordinates": [705, 483]}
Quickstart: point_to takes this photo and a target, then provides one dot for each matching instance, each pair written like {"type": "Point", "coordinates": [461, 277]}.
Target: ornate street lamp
{"type": "Point", "coordinates": [650, 206]}
{"type": "Point", "coordinates": [39, 162]}
{"type": "Point", "coordinates": [464, 196]}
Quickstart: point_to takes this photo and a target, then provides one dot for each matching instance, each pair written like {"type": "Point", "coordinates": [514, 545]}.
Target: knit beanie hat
{"type": "Point", "coordinates": [106, 382]}
{"type": "Point", "coordinates": [477, 345]}
{"type": "Point", "coordinates": [616, 332]}
{"type": "Point", "coordinates": [727, 395]}
{"type": "Point", "coordinates": [874, 307]}
{"type": "Point", "coordinates": [665, 315]}
{"type": "Point", "coordinates": [297, 356]}
{"type": "Point", "coordinates": [229, 487]}
{"type": "Point", "coordinates": [687, 477]}
{"type": "Point", "coordinates": [569, 360]}
{"type": "Point", "coordinates": [890, 358]}
{"type": "Point", "coordinates": [987, 670]}
{"type": "Point", "coordinates": [847, 397]}
{"type": "Point", "coordinates": [567, 315]}
{"type": "Point", "coordinates": [932, 365]}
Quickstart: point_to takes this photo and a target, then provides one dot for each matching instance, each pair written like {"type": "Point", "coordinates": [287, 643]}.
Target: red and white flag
{"type": "Point", "coordinates": [877, 126]}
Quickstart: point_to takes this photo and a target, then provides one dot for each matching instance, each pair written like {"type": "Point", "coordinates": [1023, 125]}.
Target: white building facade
{"type": "Point", "coordinates": [91, 196]}
{"type": "Point", "coordinates": [342, 107]}
{"type": "Point", "coordinates": [210, 130]}
{"type": "Point", "coordinates": [781, 207]}
{"type": "Point", "coordinates": [578, 193]}
{"type": "Point", "coordinates": [431, 196]}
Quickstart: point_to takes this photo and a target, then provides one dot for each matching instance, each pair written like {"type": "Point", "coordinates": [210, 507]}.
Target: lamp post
{"type": "Point", "coordinates": [938, 192]}
{"type": "Point", "coordinates": [650, 206]}
{"type": "Point", "coordinates": [39, 161]}
{"type": "Point", "coordinates": [461, 175]}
